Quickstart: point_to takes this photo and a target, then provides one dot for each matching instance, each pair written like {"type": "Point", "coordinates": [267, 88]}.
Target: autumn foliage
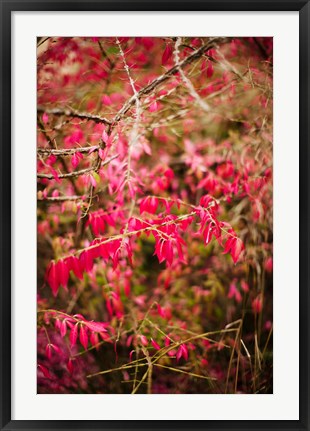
{"type": "Point", "coordinates": [154, 166]}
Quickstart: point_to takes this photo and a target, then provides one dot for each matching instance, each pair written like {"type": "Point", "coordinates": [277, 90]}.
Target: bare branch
{"type": "Point", "coordinates": [42, 40]}
{"type": "Point", "coordinates": [62, 198]}
{"type": "Point", "coordinates": [76, 173]}
{"type": "Point", "coordinates": [203, 105]}
{"type": "Point", "coordinates": [67, 151]}
{"type": "Point", "coordinates": [134, 135]}
{"type": "Point", "coordinates": [52, 145]}
{"type": "Point", "coordinates": [70, 112]}
{"type": "Point", "coordinates": [156, 82]}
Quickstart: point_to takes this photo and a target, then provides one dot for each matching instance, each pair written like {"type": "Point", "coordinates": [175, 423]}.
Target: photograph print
{"type": "Point", "coordinates": [154, 215]}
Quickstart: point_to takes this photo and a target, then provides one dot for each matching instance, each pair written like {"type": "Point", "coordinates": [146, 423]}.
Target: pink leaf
{"type": "Point", "coordinates": [106, 100]}
{"type": "Point", "coordinates": [244, 286]}
{"type": "Point", "coordinates": [45, 118]}
{"type": "Point", "coordinates": [93, 181]}
{"type": "Point", "coordinates": [144, 340]}
{"type": "Point", "coordinates": [105, 137]}
{"type": "Point", "coordinates": [153, 107]}
{"type": "Point", "coordinates": [101, 153]}
{"type": "Point", "coordinates": [55, 175]}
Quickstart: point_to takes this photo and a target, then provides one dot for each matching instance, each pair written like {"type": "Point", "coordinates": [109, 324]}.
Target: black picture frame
{"type": "Point", "coordinates": [7, 7]}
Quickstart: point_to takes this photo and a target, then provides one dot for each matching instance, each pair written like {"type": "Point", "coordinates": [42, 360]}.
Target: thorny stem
{"type": "Point", "coordinates": [77, 173]}
{"type": "Point", "coordinates": [62, 198]}
{"type": "Point", "coordinates": [201, 103]}
{"type": "Point", "coordinates": [67, 151]}
{"type": "Point", "coordinates": [135, 129]}
{"type": "Point", "coordinates": [70, 112]}
{"type": "Point", "coordinates": [160, 79]}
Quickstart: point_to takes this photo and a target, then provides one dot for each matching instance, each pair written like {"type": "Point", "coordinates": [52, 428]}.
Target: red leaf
{"type": "Point", "coordinates": [75, 160]}
{"type": "Point", "coordinates": [184, 351]}
{"type": "Point", "coordinates": [86, 261]}
{"type": "Point", "coordinates": [257, 305]}
{"type": "Point", "coordinates": [55, 175]}
{"type": "Point", "coordinates": [96, 326]}
{"type": "Point", "coordinates": [48, 351]}
{"type": "Point", "coordinates": [84, 337]}
{"type": "Point", "coordinates": [74, 335]}
{"type": "Point", "coordinates": [56, 348]}
{"type": "Point", "coordinates": [73, 264]}
{"type": "Point", "coordinates": [130, 354]}
{"type": "Point", "coordinates": [179, 353]}
{"type": "Point", "coordinates": [166, 54]}
{"type": "Point", "coordinates": [169, 252]}
{"type": "Point", "coordinates": [236, 249]}
{"type": "Point", "coordinates": [106, 100]}
{"type": "Point", "coordinates": [210, 70]}
{"type": "Point", "coordinates": [45, 371]}
{"type": "Point", "coordinates": [207, 233]}
{"type": "Point", "coordinates": [63, 272]}
{"type": "Point", "coordinates": [70, 366]}
{"type": "Point", "coordinates": [94, 339]}
{"type": "Point", "coordinates": [52, 277]}
{"type": "Point", "coordinates": [155, 345]}
{"type": "Point", "coordinates": [63, 328]}
{"type": "Point", "coordinates": [167, 341]}
{"type": "Point", "coordinates": [161, 311]}
{"type": "Point", "coordinates": [149, 204]}
{"type": "Point", "coordinates": [203, 67]}
{"type": "Point", "coordinates": [228, 245]}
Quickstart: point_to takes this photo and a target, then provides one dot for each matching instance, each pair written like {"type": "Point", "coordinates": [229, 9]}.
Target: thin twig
{"type": "Point", "coordinates": [162, 78]}
{"type": "Point", "coordinates": [76, 173]}
{"type": "Point", "coordinates": [134, 135]}
{"type": "Point", "coordinates": [71, 112]}
{"type": "Point", "coordinates": [200, 102]}
{"type": "Point", "coordinates": [67, 151]}
{"type": "Point", "coordinates": [62, 198]}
